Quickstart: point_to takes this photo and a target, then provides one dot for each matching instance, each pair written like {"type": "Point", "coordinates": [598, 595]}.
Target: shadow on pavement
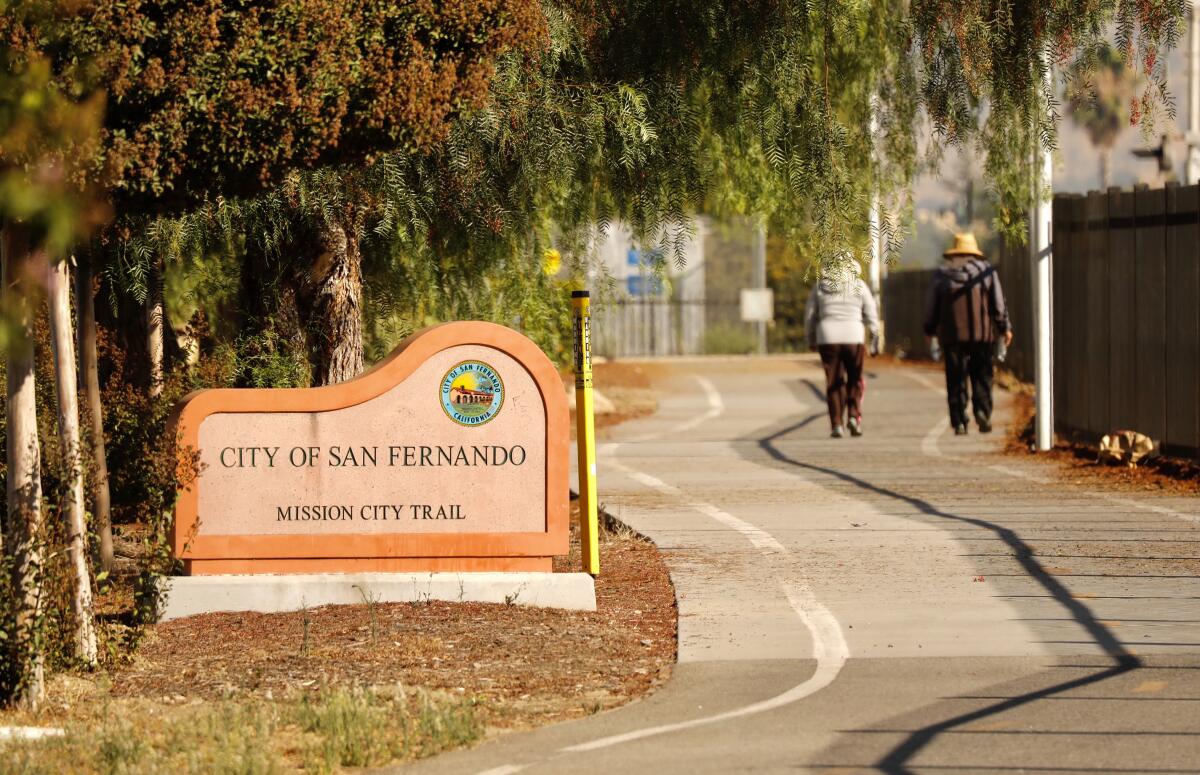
{"type": "Point", "coordinates": [899, 758]}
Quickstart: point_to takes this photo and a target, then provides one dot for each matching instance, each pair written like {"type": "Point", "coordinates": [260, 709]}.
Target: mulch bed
{"type": "Point", "coordinates": [1078, 463]}
{"type": "Point", "coordinates": [627, 385]}
{"type": "Point", "coordinates": [524, 666]}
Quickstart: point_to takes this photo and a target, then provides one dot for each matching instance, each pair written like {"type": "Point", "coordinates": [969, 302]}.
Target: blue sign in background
{"type": "Point", "coordinates": [640, 285]}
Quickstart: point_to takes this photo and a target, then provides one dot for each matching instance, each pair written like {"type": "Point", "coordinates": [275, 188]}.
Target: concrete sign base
{"type": "Point", "coordinates": [191, 595]}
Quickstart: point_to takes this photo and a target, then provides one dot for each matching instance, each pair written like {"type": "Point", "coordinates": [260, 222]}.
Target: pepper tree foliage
{"type": "Point", "coordinates": [1005, 58]}
{"type": "Point", "coordinates": [649, 111]}
{"type": "Point", "coordinates": [732, 113]}
{"type": "Point", "coordinates": [208, 99]}
{"type": "Point", "coordinates": [221, 97]}
{"type": "Point", "coordinates": [48, 137]}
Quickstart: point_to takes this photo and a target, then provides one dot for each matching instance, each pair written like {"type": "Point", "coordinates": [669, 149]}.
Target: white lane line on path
{"type": "Point", "coordinates": [829, 645]}
{"type": "Point", "coordinates": [916, 376]}
{"type": "Point", "coordinates": [1019, 474]}
{"type": "Point", "coordinates": [716, 407]}
{"type": "Point", "coordinates": [929, 446]}
{"type": "Point", "coordinates": [1151, 507]}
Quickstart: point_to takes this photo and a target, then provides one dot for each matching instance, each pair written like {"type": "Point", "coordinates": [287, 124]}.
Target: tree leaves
{"type": "Point", "coordinates": [209, 97]}
{"type": "Point", "coordinates": [985, 70]}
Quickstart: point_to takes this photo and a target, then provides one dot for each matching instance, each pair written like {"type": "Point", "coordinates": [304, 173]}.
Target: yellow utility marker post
{"type": "Point", "coordinates": [585, 434]}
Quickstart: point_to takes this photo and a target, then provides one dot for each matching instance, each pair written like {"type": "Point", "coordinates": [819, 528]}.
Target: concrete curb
{"type": "Point", "coordinates": [30, 733]}
{"type": "Point", "coordinates": [191, 595]}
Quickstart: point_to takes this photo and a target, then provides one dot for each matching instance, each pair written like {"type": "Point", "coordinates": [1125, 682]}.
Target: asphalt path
{"type": "Point", "coordinates": [908, 601]}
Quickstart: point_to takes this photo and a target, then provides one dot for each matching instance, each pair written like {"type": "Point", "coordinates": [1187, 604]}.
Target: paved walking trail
{"type": "Point", "coordinates": [909, 601]}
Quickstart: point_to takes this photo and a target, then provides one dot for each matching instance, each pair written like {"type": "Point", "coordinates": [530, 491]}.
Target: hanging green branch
{"type": "Point", "coordinates": [991, 58]}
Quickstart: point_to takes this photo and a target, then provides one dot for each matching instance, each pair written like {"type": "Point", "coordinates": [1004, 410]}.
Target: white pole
{"type": "Point", "coordinates": [874, 272]}
{"type": "Point", "coordinates": [1191, 172]}
{"type": "Point", "coordinates": [875, 268]}
{"type": "Point", "coordinates": [1042, 258]}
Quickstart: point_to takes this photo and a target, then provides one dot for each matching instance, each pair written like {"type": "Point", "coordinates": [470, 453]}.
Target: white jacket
{"type": "Point", "coordinates": [840, 311]}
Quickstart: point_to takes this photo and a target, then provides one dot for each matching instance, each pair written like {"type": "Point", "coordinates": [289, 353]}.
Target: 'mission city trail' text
{"type": "Point", "coordinates": [319, 513]}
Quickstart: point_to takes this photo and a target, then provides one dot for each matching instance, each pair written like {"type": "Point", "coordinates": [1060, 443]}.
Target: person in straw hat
{"type": "Point", "coordinates": [966, 314]}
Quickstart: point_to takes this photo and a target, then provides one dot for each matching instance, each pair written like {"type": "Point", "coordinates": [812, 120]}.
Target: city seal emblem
{"type": "Point", "coordinates": [472, 393]}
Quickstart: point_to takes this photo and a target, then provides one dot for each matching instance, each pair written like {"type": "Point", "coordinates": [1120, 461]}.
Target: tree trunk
{"type": "Point", "coordinates": [24, 460]}
{"type": "Point", "coordinates": [85, 302]}
{"type": "Point", "coordinates": [154, 327]}
{"type": "Point", "coordinates": [68, 433]}
{"type": "Point", "coordinates": [1105, 168]}
{"type": "Point", "coordinates": [331, 293]}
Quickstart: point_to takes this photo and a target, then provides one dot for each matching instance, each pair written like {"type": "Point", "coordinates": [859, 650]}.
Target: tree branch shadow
{"type": "Point", "coordinates": [897, 760]}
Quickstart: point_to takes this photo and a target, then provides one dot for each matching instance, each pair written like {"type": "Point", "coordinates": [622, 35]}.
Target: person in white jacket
{"type": "Point", "coordinates": [840, 315]}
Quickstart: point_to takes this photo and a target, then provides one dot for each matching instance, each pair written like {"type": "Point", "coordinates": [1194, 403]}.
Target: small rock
{"type": "Point", "coordinates": [647, 642]}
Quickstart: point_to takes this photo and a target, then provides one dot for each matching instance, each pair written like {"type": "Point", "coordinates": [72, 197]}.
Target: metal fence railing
{"type": "Point", "coordinates": [650, 327]}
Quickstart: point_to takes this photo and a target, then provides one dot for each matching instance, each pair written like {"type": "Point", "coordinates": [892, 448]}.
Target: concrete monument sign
{"type": "Point", "coordinates": [450, 455]}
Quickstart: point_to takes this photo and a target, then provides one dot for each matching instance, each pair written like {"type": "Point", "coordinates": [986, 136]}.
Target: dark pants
{"type": "Point", "coordinates": [971, 360]}
{"type": "Point", "coordinates": [843, 379]}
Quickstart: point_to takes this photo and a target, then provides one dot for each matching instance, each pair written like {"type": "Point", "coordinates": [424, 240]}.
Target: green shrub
{"type": "Point", "coordinates": [729, 339]}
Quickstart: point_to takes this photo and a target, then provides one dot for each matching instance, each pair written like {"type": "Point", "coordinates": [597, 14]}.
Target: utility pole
{"type": "Point", "coordinates": [875, 270]}
{"type": "Point", "coordinates": [1041, 257]}
{"type": "Point", "coordinates": [1191, 168]}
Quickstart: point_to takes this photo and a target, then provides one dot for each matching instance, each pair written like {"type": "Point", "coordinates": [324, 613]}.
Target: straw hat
{"type": "Point", "coordinates": [964, 245]}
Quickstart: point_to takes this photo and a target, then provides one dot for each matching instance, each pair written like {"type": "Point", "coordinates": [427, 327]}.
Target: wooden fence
{"type": "Point", "coordinates": [1126, 313]}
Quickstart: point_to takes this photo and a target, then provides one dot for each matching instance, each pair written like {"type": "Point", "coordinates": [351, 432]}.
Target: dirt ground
{"type": "Point", "coordinates": [1078, 463]}
{"type": "Point", "coordinates": [516, 667]}
{"type": "Point", "coordinates": [524, 666]}
{"type": "Point", "coordinates": [627, 385]}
